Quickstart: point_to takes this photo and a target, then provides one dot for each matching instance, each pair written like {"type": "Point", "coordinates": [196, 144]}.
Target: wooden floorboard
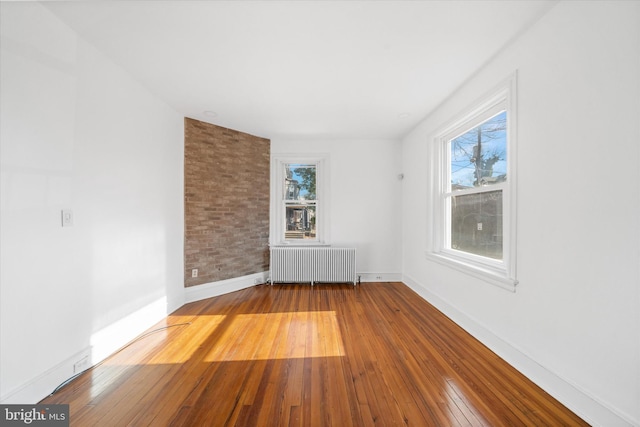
{"type": "Point", "coordinates": [295, 355]}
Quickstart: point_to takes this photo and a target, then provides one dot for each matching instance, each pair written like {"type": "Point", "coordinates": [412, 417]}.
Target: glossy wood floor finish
{"type": "Point", "coordinates": [295, 355]}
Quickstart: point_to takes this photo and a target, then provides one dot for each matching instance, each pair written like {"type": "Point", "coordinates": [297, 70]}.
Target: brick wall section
{"type": "Point", "coordinates": [226, 199]}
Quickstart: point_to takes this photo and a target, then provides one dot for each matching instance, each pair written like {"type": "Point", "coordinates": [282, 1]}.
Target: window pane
{"type": "Point", "coordinates": [479, 156]}
{"type": "Point", "coordinates": [300, 222]}
{"type": "Point", "coordinates": [300, 182]}
{"type": "Point", "coordinates": [476, 224]}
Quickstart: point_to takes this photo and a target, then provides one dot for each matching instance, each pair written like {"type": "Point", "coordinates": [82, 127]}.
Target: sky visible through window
{"type": "Point", "coordinates": [490, 165]}
{"type": "Point", "coordinates": [306, 183]}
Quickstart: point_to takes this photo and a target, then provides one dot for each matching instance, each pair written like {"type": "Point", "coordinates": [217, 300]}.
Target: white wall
{"type": "Point", "coordinates": [78, 133]}
{"type": "Point", "coordinates": [365, 194]}
{"type": "Point", "coordinates": [573, 324]}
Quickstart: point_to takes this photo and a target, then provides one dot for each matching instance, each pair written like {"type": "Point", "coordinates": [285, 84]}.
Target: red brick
{"type": "Point", "coordinates": [226, 203]}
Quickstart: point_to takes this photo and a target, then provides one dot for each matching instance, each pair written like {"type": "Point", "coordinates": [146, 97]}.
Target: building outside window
{"type": "Point", "coordinates": [477, 174]}
{"type": "Point", "coordinates": [299, 185]}
{"type": "Point", "coordinates": [300, 201]}
{"type": "Point", "coordinates": [474, 210]}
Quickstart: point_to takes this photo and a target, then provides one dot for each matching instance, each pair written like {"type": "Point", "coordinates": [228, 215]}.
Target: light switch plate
{"type": "Point", "coordinates": [67, 218]}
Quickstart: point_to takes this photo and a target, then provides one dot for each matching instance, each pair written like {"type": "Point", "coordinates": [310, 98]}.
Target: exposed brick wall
{"type": "Point", "coordinates": [226, 199]}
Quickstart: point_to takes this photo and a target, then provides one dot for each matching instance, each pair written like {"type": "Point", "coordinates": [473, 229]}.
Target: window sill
{"type": "Point", "coordinates": [300, 244]}
{"type": "Point", "coordinates": [489, 274]}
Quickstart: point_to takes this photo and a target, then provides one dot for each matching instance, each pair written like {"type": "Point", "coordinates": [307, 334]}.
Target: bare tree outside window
{"type": "Point", "coordinates": [478, 164]}
{"type": "Point", "coordinates": [478, 157]}
{"type": "Point", "coordinates": [472, 224]}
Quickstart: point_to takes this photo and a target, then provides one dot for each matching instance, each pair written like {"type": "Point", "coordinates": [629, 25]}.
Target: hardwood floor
{"type": "Point", "coordinates": [295, 355]}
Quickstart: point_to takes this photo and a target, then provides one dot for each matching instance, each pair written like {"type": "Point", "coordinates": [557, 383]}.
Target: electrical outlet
{"type": "Point", "coordinates": [81, 365]}
{"type": "Point", "coordinates": [194, 272]}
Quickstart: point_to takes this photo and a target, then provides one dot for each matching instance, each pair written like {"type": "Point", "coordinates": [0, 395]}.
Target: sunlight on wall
{"type": "Point", "coordinates": [127, 266]}
{"type": "Point", "coordinates": [222, 338]}
{"type": "Point", "coordinates": [170, 343]}
{"type": "Point", "coordinates": [107, 340]}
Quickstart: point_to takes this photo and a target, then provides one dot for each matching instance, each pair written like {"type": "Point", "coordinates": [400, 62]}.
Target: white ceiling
{"type": "Point", "coordinates": [321, 69]}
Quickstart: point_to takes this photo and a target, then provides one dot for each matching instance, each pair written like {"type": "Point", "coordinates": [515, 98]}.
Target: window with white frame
{"type": "Point", "coordinates": [298, 214]}
{"type": "Point", "coordinates": [300, 201]}
{"type": "Point", "coordinates": [473, 201]}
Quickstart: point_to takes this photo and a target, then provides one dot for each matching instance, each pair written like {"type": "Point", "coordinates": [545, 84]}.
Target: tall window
{"type": "Point", "coordinates": [474, 190]}
{"type": "Point", "coordinates": [300, 201]}
{"type": "Point", "coordinates": [298, 207]}
{"type": "Point", "coordinates": [477, 173]}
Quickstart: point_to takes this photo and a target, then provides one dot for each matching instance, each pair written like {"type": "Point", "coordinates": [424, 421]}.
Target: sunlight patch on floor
{"type": "Point", "coordinates": [279, 336]}
{"type": "Point", "coordinates": [173, 339]}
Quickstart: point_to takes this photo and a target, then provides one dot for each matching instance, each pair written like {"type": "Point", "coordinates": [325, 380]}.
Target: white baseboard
{"type": "Point", "coordinates": [103, 343]}
{"type": "Point", "coordinates": [214, 289]}
{"type": "Point", "coordinates": [581, 403]}
{"type": "Point", "coordinates": [43, 385]}
{"type": "Point", "coordinates": [113, 337]}
{"type": "Point", "coordinates": [379, 277]}
{"type": "Point", "coordinates": [108, 340]}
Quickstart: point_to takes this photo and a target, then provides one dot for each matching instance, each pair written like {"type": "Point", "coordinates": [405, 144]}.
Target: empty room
{"type": "Point", "coordinates": [320, 213]}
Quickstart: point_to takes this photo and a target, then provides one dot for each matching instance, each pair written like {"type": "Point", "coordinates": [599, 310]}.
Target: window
{"type": "Point", "coordinates": [474, 190]}
{"type": "Point", "coordinates": [300, 201]}
{"type": "Point", "coordinates": [297, 210]}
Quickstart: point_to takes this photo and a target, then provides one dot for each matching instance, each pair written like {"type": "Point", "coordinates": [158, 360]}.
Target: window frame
{"type": "Point", "coordinates": [279, 202]}
{"type": "Point", "coordinates": [498, 272]}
